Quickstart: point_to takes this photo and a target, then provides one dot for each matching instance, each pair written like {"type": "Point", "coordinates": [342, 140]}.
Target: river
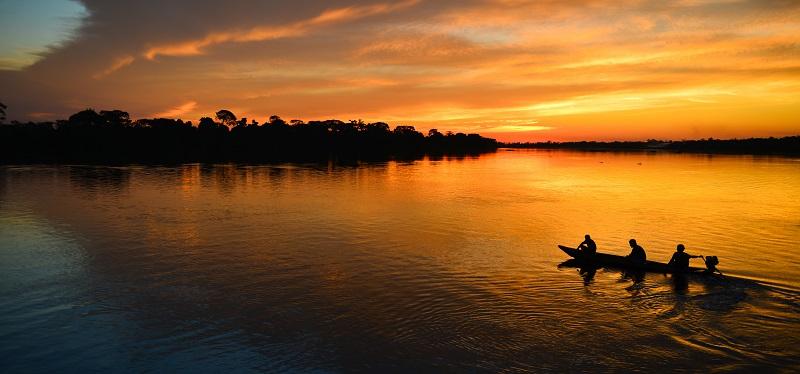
{"type": "Point", "coordinates": [446, 264]}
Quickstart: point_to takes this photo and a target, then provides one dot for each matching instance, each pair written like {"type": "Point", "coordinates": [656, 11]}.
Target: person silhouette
{"type": "Point", "coordinates": [637, 255]}
{"type": "Point", "coordinates": [588, 246]}
{"type": "Point", "coordinates": [680, 259]}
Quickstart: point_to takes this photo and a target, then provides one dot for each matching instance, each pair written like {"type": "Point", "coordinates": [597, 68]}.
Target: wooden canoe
{"type": "Point", "coordinates": [608, 260]}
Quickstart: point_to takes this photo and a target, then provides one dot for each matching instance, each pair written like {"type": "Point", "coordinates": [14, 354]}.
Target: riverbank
{"type": "Point", "coordinates": [789, 145]}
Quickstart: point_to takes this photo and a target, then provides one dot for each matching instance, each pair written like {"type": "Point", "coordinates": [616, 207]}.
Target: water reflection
{"type": "Point", "coordinates": [587, 273]}
{"type": "Point", "coordinates": [94, 180]}
{"type": "Point", "coordinates": [680, 283]}
{"type": "Point", "coordinates": [437, 265]}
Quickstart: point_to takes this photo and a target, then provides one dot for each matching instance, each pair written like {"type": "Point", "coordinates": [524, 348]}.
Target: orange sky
{"type": "Point", "coordinates": [513, 69]}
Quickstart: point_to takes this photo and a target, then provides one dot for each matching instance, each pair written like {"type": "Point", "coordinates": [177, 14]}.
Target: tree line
{"type": "Point", "coordinates": [112, 136]}
{"type": "Point", "coordinates": [789, 145]}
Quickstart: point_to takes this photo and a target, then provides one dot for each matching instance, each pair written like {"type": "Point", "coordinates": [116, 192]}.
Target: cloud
{"type": "Point", "coordinates": [31, 29]}
{"type": "Point", "coordinates": [178, 111]}
{"type": "Point", "coordinates": [593, 68]}
{"type": "Point", "coordinates": [119, 63]}
{"type": "Point", "coordinates": [262, 33]}
{"type": "Point", "coordinates": [41, 115]}
{"type": "Point", "coordinates": [520, 128]}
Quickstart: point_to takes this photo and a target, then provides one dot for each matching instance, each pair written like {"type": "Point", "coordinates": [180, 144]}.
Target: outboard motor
{"type": "Point", "coordinates": [711, 263]}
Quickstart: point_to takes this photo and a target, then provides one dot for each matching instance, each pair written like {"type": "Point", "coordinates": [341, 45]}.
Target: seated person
{"type": "Point", "coordinates": [680, 259]}
{"type": "Point", "coordinates": [637, 255]}
{"type": "Point", "coordinates": [588, 246]}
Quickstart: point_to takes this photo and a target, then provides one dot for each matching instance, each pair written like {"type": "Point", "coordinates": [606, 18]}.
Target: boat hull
{"type": "Point", "coordinates": [608, 260]}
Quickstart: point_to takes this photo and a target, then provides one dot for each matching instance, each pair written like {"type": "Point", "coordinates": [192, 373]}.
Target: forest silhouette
{"type": "Point", "coordinates": [111, 136]}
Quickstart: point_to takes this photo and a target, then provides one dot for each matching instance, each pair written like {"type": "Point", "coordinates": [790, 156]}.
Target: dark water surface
{"type": "Point", "coordinates": [433, 265]}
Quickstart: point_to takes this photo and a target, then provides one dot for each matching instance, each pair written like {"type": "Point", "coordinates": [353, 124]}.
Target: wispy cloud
{"type": "Point", "coordinates": [119, 63]}
{"type": "Point", "coordinates": [178, 111]}
{"type": "Point", "coordinates": [581, 68]}
{"type": "Point", "coordinates": [262, 33]}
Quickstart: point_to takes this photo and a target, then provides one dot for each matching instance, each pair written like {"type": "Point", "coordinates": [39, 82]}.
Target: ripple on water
{"type": "Point", "coordinates": [444, 266]}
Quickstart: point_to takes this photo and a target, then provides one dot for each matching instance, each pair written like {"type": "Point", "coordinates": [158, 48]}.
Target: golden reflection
{"type": "Point", "coordinates": [507, 209]}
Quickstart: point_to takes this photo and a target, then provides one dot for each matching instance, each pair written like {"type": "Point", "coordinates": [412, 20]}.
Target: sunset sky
{"type": "Point", "coordinates": [516, 70]}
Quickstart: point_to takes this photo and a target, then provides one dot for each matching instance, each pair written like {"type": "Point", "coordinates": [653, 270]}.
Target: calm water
{"type": "Point", "coordinates": [445, 265]}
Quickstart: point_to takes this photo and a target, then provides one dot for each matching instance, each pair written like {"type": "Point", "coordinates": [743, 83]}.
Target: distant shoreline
{"type": "Point", "coordinates": [785, 146]}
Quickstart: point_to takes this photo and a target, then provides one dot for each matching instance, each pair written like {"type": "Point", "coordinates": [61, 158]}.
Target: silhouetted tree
{"type": "Point", "coordinates": [116, 118]}
{"type": "Point", "coordinates": [405, 130]}
{"type": "Point", "coordinates": [226, 117]}
{"type": "Point", "coordinates": [378, 127]}
{"type": "Point", "coordinates": [85, 118]}
{"type": "Point", "coordinates": [206, 123]}
{"type": "Point", "coordinates": [3, 108]}
{"type": "Point", "coordinates": [276, 121]}
{"type": "Point", "coordinates": [111, 136]}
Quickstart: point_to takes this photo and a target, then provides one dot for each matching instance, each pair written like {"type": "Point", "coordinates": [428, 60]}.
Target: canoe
{"type": "Point", "coordinates": [603, 259]}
